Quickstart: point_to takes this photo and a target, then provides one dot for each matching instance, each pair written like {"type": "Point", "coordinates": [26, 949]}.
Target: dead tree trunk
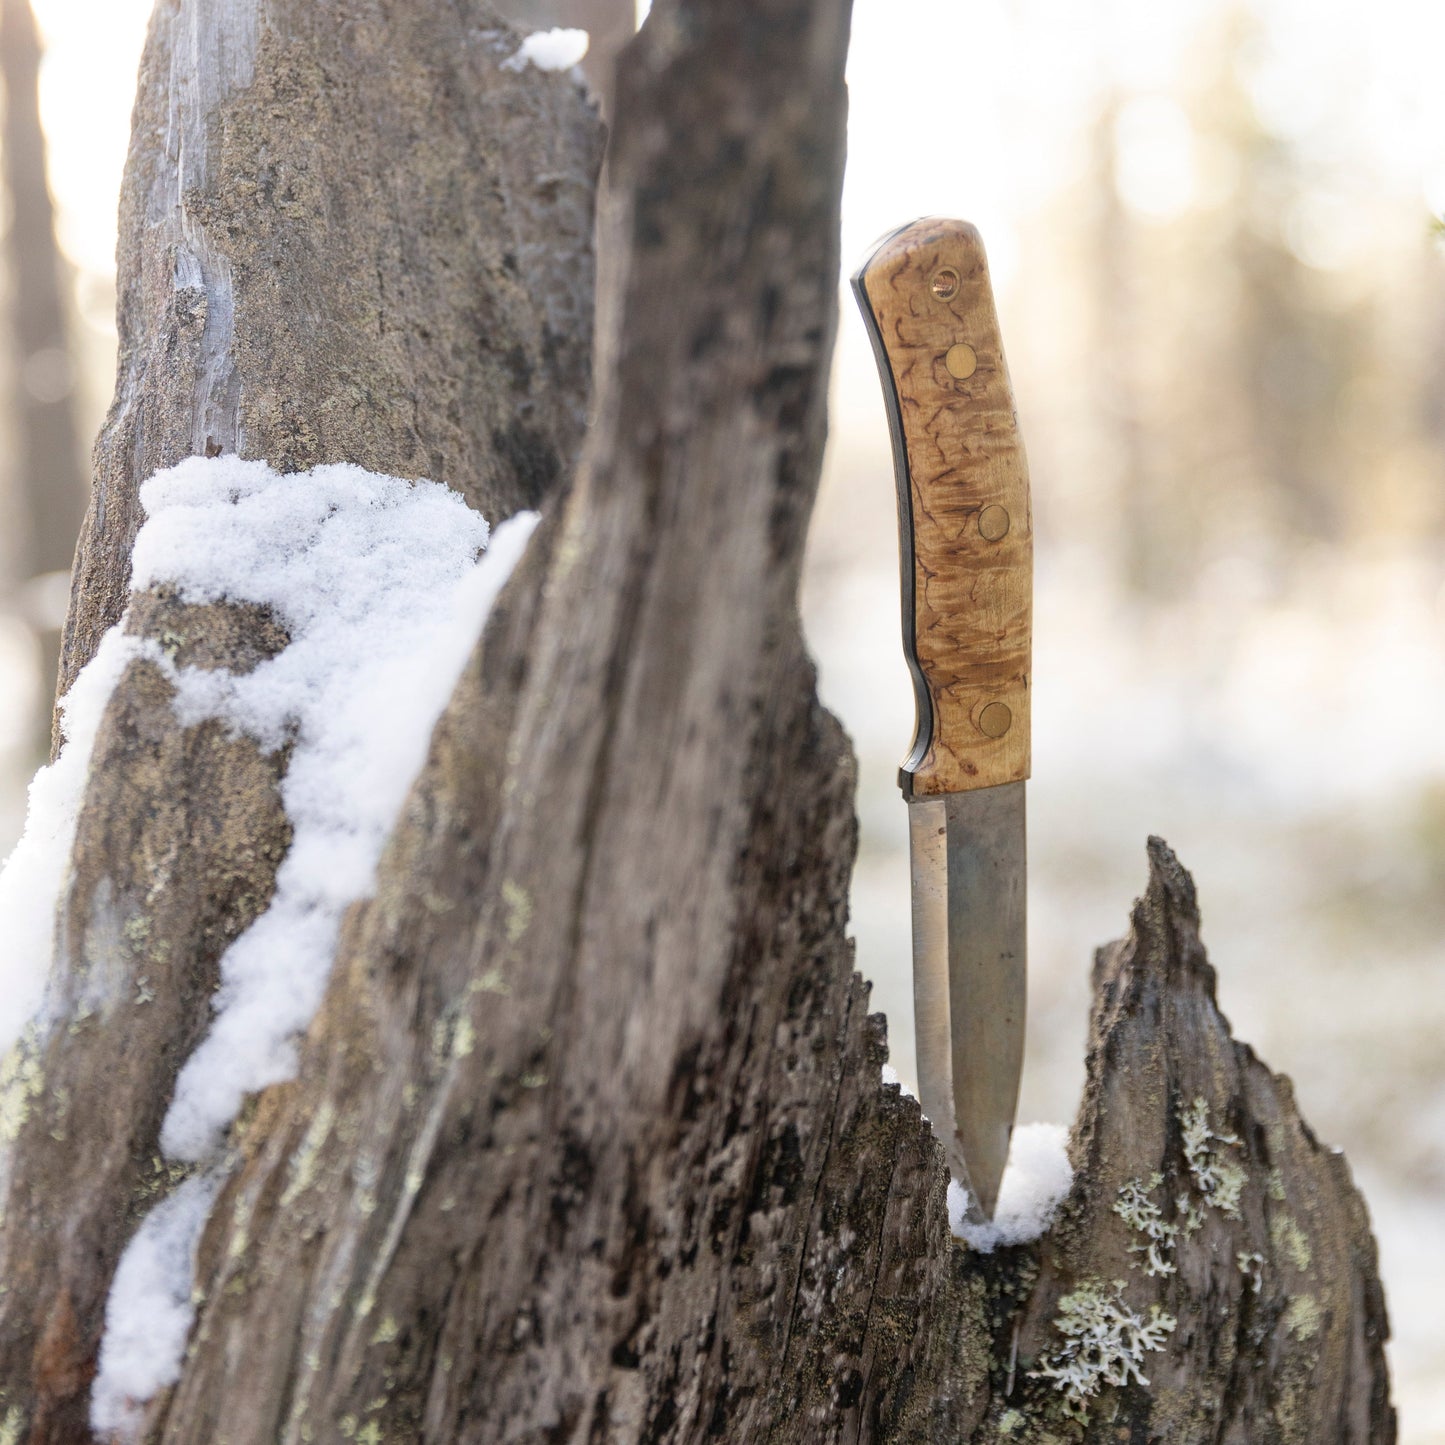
{"type": "Point", "coordinates": [588, 1140]}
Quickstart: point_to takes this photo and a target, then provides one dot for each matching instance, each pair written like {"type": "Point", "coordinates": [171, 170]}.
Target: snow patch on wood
{"type": "Point", "coordinates": [1035, 1181]}
{"type": "Point", "coordinates": [555, 49]}
{"type": "Point", "coordinates": [35, 873]}
{"type": "Point", "coordinates": [150, 1309]}
{"type": "Point", "coordinates": [383, 586]}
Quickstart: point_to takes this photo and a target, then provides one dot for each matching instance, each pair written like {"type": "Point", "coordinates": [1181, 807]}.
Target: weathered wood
{"type": "Point", "coordinates": [344, 238]}
{"type": "Point", "coordinates": [357, 239]}
{"type": "Point", "coordinates": [589, 1141]}
{"type": "Point", "coordinates": [965, 504]}
{"type": "Point", "coordinates": [1272, 1279]}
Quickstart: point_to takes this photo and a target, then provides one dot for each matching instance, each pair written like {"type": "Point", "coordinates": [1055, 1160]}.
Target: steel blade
{"type": "Point", "coordinates": [969, 974]}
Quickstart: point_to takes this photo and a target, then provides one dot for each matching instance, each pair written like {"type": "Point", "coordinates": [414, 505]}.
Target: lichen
{"type": "Point", "coordinates": [21, 1081]}
{"type": "Point", "coordinates": [13, 1426]}
{"type": "Point", "coordinates": [1139, 1211]}
{"type": "Point", "coordinates": [519, 909]}
{"type": "Point", "coordinates": [1251, 1265]}
{"type": "Point", "coordinates": [386, 1331]}
{"type": "Point", "coordinates": [1105, 1342]}
{"type": "Point", "coordinates": [464, 1038]}
{"type": "Point", "coordinates": [1289, 1239]}
{"type": "Point", "coordinates": [1303, 1317]}
{"type": "Point", "coordinates": [1010, 1421]}
{"type": "Point", "coordinates": [1221, 1181]}
{"type": "Point", "coordinates": [305, 1161]}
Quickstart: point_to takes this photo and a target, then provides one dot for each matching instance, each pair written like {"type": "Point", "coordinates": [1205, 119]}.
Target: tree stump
{"type": "Point", "coordinates": [588, 1140]}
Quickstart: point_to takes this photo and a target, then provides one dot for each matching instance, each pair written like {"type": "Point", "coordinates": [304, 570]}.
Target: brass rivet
{"type": "Point", "coordinates": [961, 361]}
{"type": "Point", "coordinates": [944, 284]}
{"type": "Point", "coordinates": [993, 523]}
{"type": "Point", "coordinates": [995, 720]}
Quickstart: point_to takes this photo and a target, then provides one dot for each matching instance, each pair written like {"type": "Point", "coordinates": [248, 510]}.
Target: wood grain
{"type": "Point", "coordinates": [964, 510]}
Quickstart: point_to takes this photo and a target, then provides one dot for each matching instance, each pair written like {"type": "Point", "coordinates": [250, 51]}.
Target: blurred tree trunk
{"type": "Point", "coordinates": [49, 468]}
{"type": "Point", "coordinates": [589, 1141]}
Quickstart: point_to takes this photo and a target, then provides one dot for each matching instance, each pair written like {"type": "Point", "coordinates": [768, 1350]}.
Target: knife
{"type": "Point", "coordinates": [966, 542]}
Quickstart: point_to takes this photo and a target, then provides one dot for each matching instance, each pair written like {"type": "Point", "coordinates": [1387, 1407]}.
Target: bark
{"type": "Point", "coordinates": [51, 479]}
{"type": "Point", "coordinates": [589, 1141]}
{"type": "Point", "coordinates": [341, 240]}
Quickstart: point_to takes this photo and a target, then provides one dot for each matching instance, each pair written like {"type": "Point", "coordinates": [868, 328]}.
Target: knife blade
{"type": "Point", "coordinates": [966, 549]}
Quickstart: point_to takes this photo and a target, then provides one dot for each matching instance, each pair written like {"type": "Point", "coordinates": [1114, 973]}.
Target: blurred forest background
{"type": "Point", "coordinates": [1214, 233]}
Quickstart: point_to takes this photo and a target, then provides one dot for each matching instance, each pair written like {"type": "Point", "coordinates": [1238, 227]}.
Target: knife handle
{"type": "Point", "coordinates": [965, 527]}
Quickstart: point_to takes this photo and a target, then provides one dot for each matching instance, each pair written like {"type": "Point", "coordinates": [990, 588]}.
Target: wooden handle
{"type": "Point", "coordinates": [963, 506]}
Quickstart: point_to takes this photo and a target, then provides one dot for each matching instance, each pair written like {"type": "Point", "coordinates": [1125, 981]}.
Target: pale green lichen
{"type": "Point", "coordinates": [386, 1331]}
{"type": "Point", "coordinates": [1192, 1211]}
{"type": "Point", "coordinates": [1251, 1265]}
{"type": "Point", "coordinates": [1010, 1421]}
{"type": "Point", "coordinates": [1219, 1180]}
{"type": "Point", "coordinates": [347, 1426]}
{"type": "Point", "coordinates": [369, 1434]}
{"type": "Point", "coordinates": [306, 1160]}
{"type": "Point", "coordinates": [453, 1036]}
{"type": "Point", "coordinates": [519, 909]}
{"type": "Point", "coordinates": [492, 982]}
{"type": "Point", "coordinates": [441, 1038]}
{"type": "Point", "coordinates": [464, 1039]}
{"type": "Point", "coordinates": [13, 1426]}
{"type": "Point", "coordinates": [1104, 1344]}
{"type": "Point", "coordinates": [21, 1082]}
{"type": "Point", "coordinates": [1289, 1239]}
{"type": "Point", "coordinates": [1275, 1185]}
{"type": "Point", "coordinates": [1303, 1317]}
{"type": "Point", "coordinates": [1140, 1212]}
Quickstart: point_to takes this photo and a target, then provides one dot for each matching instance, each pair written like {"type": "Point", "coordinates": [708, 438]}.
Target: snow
{"type": "Point", "coordinates": [149, 1313]}
{"type": "Point", "coordinates": [556, 49]}
{"type": "Point", "coordinates": [34, 874]}
{"type": "Point", "coordinates": [383, 587]}
{"type": "Point", "coordinates": [1035, 1181]}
